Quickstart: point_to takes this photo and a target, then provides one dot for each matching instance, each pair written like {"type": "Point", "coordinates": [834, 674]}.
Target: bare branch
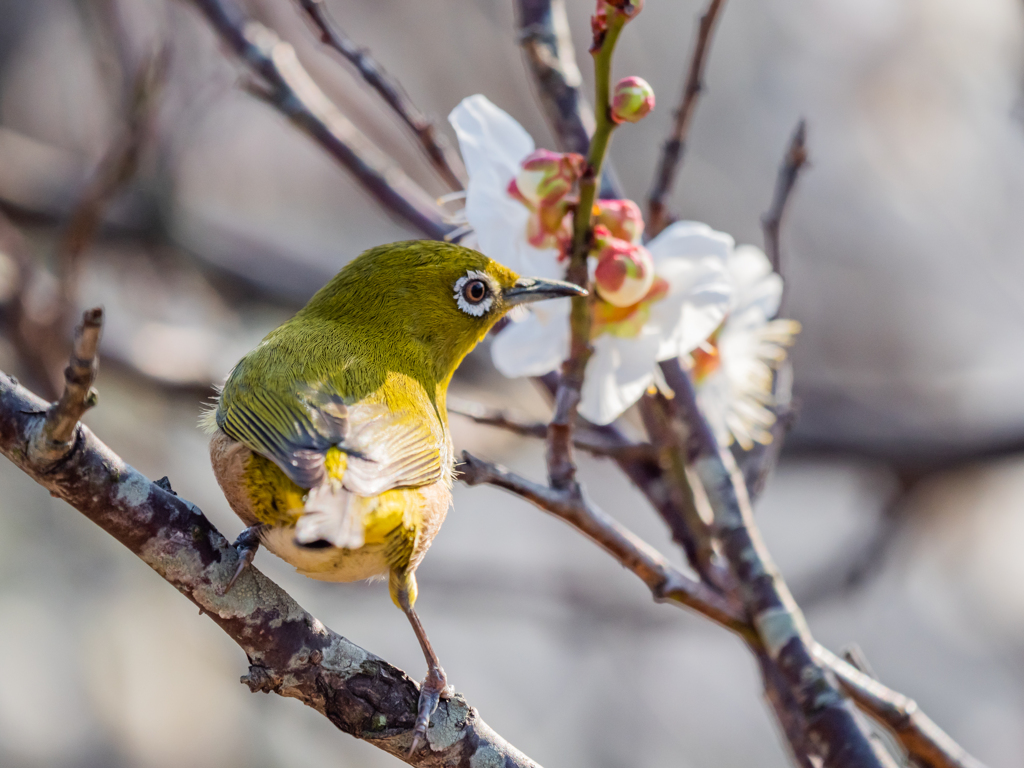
{"type": "Point", "coordinates": [920, 736]}
{"type": "Point", "coordinates": [294, 93]}
{"type": "Point", "coordinates": [546, 42]}
{"type": "Point", "coordinates": [674, 147]}
{"type": "Point", "coordinates": [62, 417]}
{"type": "Point", "coordinates": [830, 717]}
{"type": "Point", "coordinates": [664, 580]}
{"type": "Point", "coordinates": [290, 652]}
{"type": "Point", "coordinates": [771, 222]}
{"type": "Point", "coordinates": [445, 162]}
{"type": "Point", "coordinates": [594, 442]}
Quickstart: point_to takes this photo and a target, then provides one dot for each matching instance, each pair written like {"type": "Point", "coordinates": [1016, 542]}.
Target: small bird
{"type": "Point", "coordinates": [330, 439]}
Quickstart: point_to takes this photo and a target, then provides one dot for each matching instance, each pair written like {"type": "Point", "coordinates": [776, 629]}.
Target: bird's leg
{"type": "Point", "coordinates": [246, 544]}
{"type": "Point", "coordinates": [435, 685]}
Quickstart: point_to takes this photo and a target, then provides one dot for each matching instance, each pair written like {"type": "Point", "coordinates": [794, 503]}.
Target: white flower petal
{"type": "Point", "coordinates": [690, 238]}
{"type": "Point", "coordinates": [756, 283]}
{"type": "Point", "coordinates": [699, 297]}
{"type": "Point", "coordinates": [536, 345]}
{"type": "Point", "coordinates": [493, 145]}
{"type": "Point", "coordinates": [617, 375]}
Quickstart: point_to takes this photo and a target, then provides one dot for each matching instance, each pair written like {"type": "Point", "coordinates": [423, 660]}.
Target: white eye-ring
{"type": "Point", "coordinates": [474, 293]}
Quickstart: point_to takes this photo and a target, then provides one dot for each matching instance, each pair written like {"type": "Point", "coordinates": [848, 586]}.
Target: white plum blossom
{"type": "Point", "coordinates": [684, 301]}
{"type": "Point", "coordinates": [733, 370]}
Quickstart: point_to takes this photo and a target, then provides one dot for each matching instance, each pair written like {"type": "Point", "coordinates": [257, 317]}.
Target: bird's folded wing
{"type": "Point", "coordinates": [385, 449]}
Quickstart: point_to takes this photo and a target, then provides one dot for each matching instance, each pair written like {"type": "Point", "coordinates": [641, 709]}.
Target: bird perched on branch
{"type": "Point", "coordinates": [331, 437]}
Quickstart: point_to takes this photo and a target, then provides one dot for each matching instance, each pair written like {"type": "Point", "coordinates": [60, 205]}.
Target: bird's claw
{"type": "Point", "coordinates": [246, 544]}
{"type": "Point", "coordinates": [434, 688]}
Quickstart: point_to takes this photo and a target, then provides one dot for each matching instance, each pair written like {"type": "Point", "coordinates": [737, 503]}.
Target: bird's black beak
{"type": "Point", "coordinates": [530, 289]}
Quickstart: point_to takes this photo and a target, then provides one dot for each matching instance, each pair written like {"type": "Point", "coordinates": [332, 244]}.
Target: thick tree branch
{"type": "Point", "coordinates": [674, 147]}
{"type": "Point", "coordinates": [445, 162]}
{"type": "Point", "coordinates": [288, 87]}
{"type": "Point", "coordinates": [290, 653]}
{"type": "Point", "coordinates": [771, 222]}
{"type": "Point", "coordinates": [832, 725]}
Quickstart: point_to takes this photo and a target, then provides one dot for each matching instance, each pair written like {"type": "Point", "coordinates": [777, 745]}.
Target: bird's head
{"type": "Point", "coordinates": [438, 298]}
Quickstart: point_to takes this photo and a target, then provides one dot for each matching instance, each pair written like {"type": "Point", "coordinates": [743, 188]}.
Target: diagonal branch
{"type": "Point", "coordinates": [288, 87]}
{"type": "Point", "coordinates": [829, 715]}
{"type": "Point", "coordinates": [290, 653]}
{"type": "Point", "coordinates": [915, 731]}
{"type": "Point", "coordinates": [665, 581]}
{"type": "Point", "coordinates": [445, 162]}
{"type": "Point", "coordinates": [928, 744]}
{"type": "Point", "coordinates": [771, 222]}
{"type": "Point", "coordinates": [674, 147]}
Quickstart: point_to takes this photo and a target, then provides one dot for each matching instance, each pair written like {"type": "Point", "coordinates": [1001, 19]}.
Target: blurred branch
{"type": "Point", "coordinates": [546, 42]}
{"type": "Point", "coordinates": [445, 162]}
{"type": "Point", "coordinates": [116, 169]}
{"type": "Point", "coordinates": [924, 741]}
{"type": "Point", "coordinates": [287, 86]}
{"type": "Point", "coordinates": [592, 441]}
{"type": "Point", "coordinates": [290, 652]}
{"type": "Point", "coordinates": [794, 160]}
{"type": "Point", "coordinates": [674, 147]}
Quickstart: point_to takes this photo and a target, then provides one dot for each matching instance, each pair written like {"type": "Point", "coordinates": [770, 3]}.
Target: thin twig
{"type": "Point", "coordinates": [664, 580]}
{"type": "Point", "coordinates": [62, 417]}
{"type": "Point", "coordinates": [290, 89]}
{"type": "Point", "coordinates": [289, 651]}
{"type": "Point", "coordinates": [116, 169]}
{"type": "Point", "coordinates": [924, 741]}
{"type": "Point", "coordinates": [446, 162]}
{"type": "Point", "coordinates": [674, 147]}
{"type": "Point", "coordinates": [590, 440]}
{"type": "Point", "coordinates": [771, 222]}
{"type": "Point", "coordinates": [831, 721]}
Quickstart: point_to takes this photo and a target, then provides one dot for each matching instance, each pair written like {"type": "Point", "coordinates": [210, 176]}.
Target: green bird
{"type": "Point", "coordinates": [330, 439]}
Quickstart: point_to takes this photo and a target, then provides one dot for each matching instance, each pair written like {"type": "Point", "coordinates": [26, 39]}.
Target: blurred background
{"type": "Point", "coordinates": [896, 513]}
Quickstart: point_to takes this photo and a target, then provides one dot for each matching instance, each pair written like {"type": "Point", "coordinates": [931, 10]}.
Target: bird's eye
{"type": "Point", "coordinates": [475, 291]}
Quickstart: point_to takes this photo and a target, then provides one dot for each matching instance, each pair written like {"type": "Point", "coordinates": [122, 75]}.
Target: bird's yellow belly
{"type": "Point", "coordinates": [327, 563]}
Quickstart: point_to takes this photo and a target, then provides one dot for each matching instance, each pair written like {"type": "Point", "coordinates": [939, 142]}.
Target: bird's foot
{"type": "Point", "coordinates": [246, 544]}
{"type": "Point", "coordinates": [434, 688]}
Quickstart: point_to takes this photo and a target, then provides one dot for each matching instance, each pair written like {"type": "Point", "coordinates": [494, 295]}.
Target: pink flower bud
{"type": "Point", "coordinates": [546, 185]}
{"type": "Point", "coordinates": [622, 218]}
{"type": "Point", "coordinates": [632, 100]}
{"type": "Point", "coordinates": [546, 177]}
{"type": "Point", "coordinates": [625, 271]}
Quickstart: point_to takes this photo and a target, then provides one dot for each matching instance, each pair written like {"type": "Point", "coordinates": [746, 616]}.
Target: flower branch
{"type": "Point", "coordinates": [561, 470]}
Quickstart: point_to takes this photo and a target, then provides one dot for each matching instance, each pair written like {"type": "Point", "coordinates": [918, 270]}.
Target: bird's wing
{"type": "Point", "coordinates": [295, 429]}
